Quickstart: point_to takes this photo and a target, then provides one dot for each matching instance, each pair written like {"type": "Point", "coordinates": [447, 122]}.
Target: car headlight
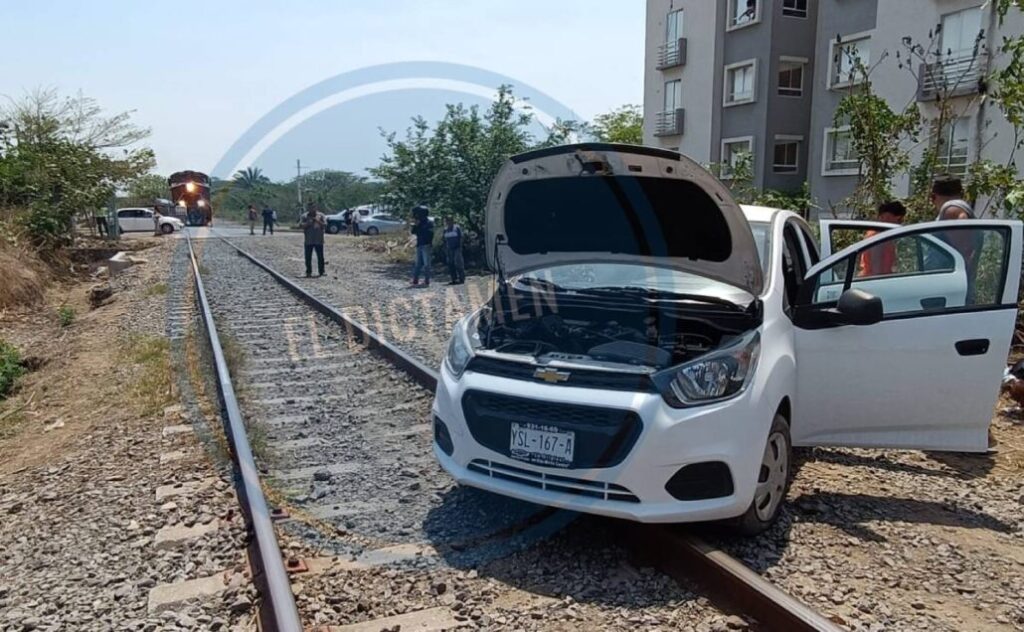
{"type": "Point", "coordinates": [460, 348]}
{"type": "Point", "coordinates": [718, 375]}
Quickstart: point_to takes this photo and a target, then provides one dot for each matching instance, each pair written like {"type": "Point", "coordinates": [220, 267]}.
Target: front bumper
{"type": "Point", "coordinates": [730, 432]}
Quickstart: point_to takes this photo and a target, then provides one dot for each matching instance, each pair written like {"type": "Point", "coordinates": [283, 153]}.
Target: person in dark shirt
{"type": "Point", "coordinates": [423, 229]}
{"type": "Point", "coordinates": [268, 220]}
{"type": "Point", "coordinates": [453, 251]}
{"type": "Point", "coordinates": [313, 224]}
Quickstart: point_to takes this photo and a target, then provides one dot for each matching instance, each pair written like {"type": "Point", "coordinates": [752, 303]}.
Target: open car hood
{"type": "Point", "coordinates": [608, 203]}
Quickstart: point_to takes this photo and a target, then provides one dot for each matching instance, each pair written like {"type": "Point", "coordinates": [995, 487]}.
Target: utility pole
{"type": "Point", "coordinates": [298, 179]}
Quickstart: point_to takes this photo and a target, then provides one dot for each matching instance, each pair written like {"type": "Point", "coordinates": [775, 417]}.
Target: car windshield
{"type": "Point", "coordinates": [590, 276]}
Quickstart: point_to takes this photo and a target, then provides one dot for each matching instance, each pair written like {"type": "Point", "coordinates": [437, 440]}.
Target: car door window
{"type": "Point", "coordinates": [934, 269]}
{"type": "Point", "coordinates": [793, 264]}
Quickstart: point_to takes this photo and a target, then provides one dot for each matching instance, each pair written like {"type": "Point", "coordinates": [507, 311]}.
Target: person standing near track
{"type": "Point", "coordinates": [423, 229]}
{"type": "Point", "coordinates": [252, 219]}
{"type": "Point", "coordinates": [453, 251]}
{"type": "Point", "coordinates": [313, 225]}
{"type": "Point", "coordinates": [268, 220]}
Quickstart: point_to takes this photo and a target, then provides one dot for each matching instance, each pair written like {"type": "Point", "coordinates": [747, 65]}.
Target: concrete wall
{"type": "Point", "coordinates": [697, 75]}
{"type": "Point", "coordinates": [789, 116]}
{"type": "Point", "coordinates": [835, 18]}
{"type": "Point", "coordinates": [752, 41]}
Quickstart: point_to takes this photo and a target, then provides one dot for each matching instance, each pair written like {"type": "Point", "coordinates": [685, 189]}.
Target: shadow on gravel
{"type": "Point", "coordinates": [848, 512]}
{"type": "Point", "coordinates": [550, 554]}
{"type": "Point", "coordinates": [957, 465]}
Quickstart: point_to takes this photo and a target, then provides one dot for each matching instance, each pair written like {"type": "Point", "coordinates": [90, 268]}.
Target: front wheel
{"type": "Point", "coordinates": [772, 480]}
{"type": "Point", "coordinates": [333, 229]}
{"type": "Point", "coordinates": [372, 230]}
{"type": "Point", "coordinates": [166, 229]}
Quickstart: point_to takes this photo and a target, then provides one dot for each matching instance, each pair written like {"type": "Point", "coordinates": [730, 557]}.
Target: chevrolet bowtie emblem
{"type": "Point", "coordinates": [551, 376]}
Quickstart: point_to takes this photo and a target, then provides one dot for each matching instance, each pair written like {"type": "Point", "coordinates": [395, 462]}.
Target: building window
{"type": "Point", "coordinates": [673, 95]}
{"type": "Point", "coordinates": [840, 158]}
{"type": "Point", "coordinates": [674, 26]}
{"type": "Point", "coordinates": [739, 82]}
{"type": "Point", "coordinates": [849, 55]}
{"type": "Point", "coordinates": [791, 77]}
{"type": "Point", "coordinates": [794, 8]}
{"type": "Point", "coordinates": [786, 155]}
{"type": "Point", "coordinates": [960, 33]}
{"type": "Point", "coordinates": [735, 150]}
{"type": "Point", "coordinates": [743, 13]}
{"type": "Point", "coordinates": [953, 145]}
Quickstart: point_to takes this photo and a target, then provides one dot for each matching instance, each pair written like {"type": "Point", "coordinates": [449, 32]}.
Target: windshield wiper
{"type": "Point", "coordinates": [661, 295]}
{"type": "Point", "coordinates": [541, 284]}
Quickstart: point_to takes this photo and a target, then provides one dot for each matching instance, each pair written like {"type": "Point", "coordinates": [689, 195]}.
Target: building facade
{"type": "Point", "coordinates": [766, 76]}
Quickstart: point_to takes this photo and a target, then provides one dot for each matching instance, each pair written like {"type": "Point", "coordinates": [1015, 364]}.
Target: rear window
{"type": "Point", "coordinates": [630, 215]}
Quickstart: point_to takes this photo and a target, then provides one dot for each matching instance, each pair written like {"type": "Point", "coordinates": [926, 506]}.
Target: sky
{"type": "Point", "coordinates": [200, 74]}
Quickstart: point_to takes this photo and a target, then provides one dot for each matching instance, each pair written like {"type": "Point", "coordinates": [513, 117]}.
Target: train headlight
{"type": "Point", "coordinates": [181, 203]}
{"type": "Point", "coordinates": [190, 187]}
{"type": "Point", "coordinates": [201, 203]}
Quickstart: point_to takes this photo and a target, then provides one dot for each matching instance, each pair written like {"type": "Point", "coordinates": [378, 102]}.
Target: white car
{"type": "Point", "coordinates": [653, 350]}
{"type": "Point", "coordinates": [131, 220]}
{"type": "Point", "coordinates": [382, 223]}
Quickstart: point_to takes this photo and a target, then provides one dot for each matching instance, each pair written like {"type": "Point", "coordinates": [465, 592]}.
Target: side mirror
{"type": "Point", "coordinates": [857, 307]}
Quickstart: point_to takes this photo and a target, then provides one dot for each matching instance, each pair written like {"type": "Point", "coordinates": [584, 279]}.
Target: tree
{"type": "Point", "coordinates": [148, 186]}
{"type": "Point", "coordinates": [622, 125]}
{"type": "Point", "coordinates": [61, 156]}
{"type": "Point", "coordinates": [250, 178]}
{"type": "Point", "coordinates": [450, 167]}
{"type": "Point", "coordinates": [878, 134]}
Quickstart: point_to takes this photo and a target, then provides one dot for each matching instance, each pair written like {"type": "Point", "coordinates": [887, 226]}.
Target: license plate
{"type": "Point", "coordinates": [543, 445]}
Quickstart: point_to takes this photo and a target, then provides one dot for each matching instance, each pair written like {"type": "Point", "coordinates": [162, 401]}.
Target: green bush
{"type": "Point", "coordinates": [66, 314]}
{"type": "Point", "coordinates": [10, 367]}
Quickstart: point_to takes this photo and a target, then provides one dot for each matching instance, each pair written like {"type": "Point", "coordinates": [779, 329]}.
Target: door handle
{"type": "Point", "coordinates": [937, 302]}
{"type": "Point", "coordinates": [975, 346]}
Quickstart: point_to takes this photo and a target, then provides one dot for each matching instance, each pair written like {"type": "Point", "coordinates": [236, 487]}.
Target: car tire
{"type": "Point", "coordinates": [333, 229]}
{"type": "Point", "coordinates": [372, 230]}
{"type": "Point", "coordinates": [166, 229]}
{"type": "Point", "coordinates": [773, 480]}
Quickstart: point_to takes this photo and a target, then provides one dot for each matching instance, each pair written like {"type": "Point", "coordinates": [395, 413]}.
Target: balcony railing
{"type": "Point", "coordinates": [955, 76]}
{"type": "Point", "coordinates": [671, 54]}
{"type": "Point", "coordinates": [669, 123]}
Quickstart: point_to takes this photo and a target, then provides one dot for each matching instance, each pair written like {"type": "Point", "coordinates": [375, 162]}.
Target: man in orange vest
{"type": "Point", "coordinates": [881, 259]}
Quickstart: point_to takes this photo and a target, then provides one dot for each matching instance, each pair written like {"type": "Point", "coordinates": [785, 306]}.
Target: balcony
{"type": "Point", "coordinates": [672, 54]}
{"type": "Point", "coordinates": [669, 123]}
{"type": "Point", "coordinates": [952, 77]}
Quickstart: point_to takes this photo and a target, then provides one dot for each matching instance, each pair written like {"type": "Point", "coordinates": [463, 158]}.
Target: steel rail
{"type": "Point", "coordinates": [277, 612]}
{"type": "Point", "coordinates": [683, 556]}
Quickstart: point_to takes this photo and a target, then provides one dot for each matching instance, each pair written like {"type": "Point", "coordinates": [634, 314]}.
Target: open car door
{"type": "Point", "coordinates": [837, 234]}
{"type": "Point", "coordinates": [923, 370]}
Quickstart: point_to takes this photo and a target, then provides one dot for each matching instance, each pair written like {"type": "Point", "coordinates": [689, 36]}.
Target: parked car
{"type": "Point", "coordinates": [131, 220]}
{"type": "Point", "coordinates": [382, 223]}
{"type": "Point", "coordinates": [336, 222]}
{"type": "Point", "coordinates": [656, 350]}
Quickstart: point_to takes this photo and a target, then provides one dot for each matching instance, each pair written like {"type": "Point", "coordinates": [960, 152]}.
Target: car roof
{"type": "Point", "coordinates": [759, 213]}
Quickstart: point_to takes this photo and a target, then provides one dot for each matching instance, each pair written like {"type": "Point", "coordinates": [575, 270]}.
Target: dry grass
{"type": "Point", "coordinates": [153, 388]}
{"type": "Point", "coordinates": [24, 277]}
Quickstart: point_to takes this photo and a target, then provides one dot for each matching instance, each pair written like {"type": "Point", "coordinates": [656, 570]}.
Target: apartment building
{"type": "Point", "coordinates": [766, 76]}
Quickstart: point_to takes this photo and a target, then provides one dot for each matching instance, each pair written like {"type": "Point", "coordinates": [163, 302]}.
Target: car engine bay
{"type": "Point", "coordinates": [630, 332]}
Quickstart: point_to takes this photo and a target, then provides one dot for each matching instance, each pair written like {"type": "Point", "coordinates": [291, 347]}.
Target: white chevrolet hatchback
{"type": "Point", "coordinates": [653, 350]}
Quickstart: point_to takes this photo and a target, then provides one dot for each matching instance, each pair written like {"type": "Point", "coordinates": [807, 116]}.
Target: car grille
{"type": "Point", "coordinates": [550, 482]}
{"type": "Point", "coordinates": [582, 378]}
{"type": "Point", "coordinates": [603, 436]}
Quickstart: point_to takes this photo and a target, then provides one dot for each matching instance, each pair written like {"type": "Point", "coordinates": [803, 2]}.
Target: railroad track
{"type": "Point", "coordinates": [340, 420]}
